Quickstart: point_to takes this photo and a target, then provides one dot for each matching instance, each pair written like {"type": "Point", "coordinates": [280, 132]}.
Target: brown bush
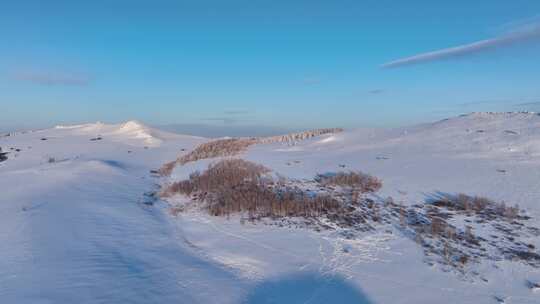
{"type": "Point", "coordinates": [438, 226]}
{"type": "Point", "coordinates": [226, 173]}
{"type": "Point", "coordinates": [167, 168]}
{"type": "Point", "coordinates": [478, 204]}
{"type": "Point", "coordinates": [472, 203]}
{"type": "Point", "coordinates": [356, 180]}
{"type": "Point", "coordinates": [510, 212]}
{"type": "Point", "coordinates": [237, 186]}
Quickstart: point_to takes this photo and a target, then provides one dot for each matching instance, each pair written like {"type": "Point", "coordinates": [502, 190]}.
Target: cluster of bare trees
{"type": "Point", "coordinates": [260, 201]}
{"type": "Point", "coordinates": [295, 137]}
{"type": "Point", "coordinates": [234, 146]}
{"type": "Point", "coordinates": [216, 148]}
{"type": "Point", "coordinates": [227, 173]}
{"type": "Point", "coordinates": [359, 181]}
{"type": "Point", "coordinates": [238, 186]}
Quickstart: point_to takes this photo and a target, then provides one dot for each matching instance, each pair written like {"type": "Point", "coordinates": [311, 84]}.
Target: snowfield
{"type": "Point", "coordinates": [79, 222]}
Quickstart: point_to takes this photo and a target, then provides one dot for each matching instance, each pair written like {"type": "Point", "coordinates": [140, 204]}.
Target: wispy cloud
{"type": "Point", "coordinates": [376, 91]}
{"type": "Point", "coordinates": [51, 78]}
{"type": "Point", "coordinates": [485, 102]}
{"type": "Point", "coordinates": [502, 103]}
{"type": "Point", "coordinates": [236, 112]}
{"type": "Point", "coordinates": [529, 107]}
{"type": "Point", "coordinates": [523, 34]}
{"type": "Point", "coordinates": [311, 80]}
{"type": "Point", "coordinates": [224, 119]}
{"type": "Point", "coordinates": [526, 104]}
{"type": "Point", "coordinates": [215, 131]}
{"type": "Point", "coordinates": [230, 117]}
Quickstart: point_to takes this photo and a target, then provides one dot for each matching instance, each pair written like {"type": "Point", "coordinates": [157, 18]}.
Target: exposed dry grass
{"type": "Point", "coordinates": [238, 186]}
{"type": "Point", "coordinates": [455, 240]}
{"type": "Point", "coordinates": [356, 180]}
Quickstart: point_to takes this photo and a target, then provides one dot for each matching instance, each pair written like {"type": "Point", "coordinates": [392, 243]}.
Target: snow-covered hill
{"type": "Point", "coordinates": [79, 222]}
{"type": "Point", "coordinates": [132, 132]}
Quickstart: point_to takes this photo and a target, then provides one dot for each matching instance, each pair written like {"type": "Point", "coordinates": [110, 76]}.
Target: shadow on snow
{"type": "Point", "coordinates": [310, 288]}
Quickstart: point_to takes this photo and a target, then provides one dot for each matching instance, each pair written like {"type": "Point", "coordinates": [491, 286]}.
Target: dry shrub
{"type": "Point", "coordinates": [223, 174]}
{"type": "Point", "coordinates": [238, 186]}
{"type": "Point", "coordinates": [227, 173]}
{"type": "Point", "coordinates": [217, 148]}
{"type": "Point", "coordinates": [356, 180]}
{"type": "Point", "coordinates": [472, 203]}
{"type": "Point", "coordinates": [167, 168]}
{"type": "Point", "coordinates": [509, 212]}
{"type": "Point", "coordinates": [438, 226]}
{"type": "Point", "coordinates": [480, 205]}
{"type": "Point", "coordinates": [261, 201]}
{"type": "Point", "coordinates": [181, 187]}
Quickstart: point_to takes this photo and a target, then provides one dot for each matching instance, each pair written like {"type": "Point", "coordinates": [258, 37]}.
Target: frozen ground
{"type": "Point", "coordinates": [76, 225]}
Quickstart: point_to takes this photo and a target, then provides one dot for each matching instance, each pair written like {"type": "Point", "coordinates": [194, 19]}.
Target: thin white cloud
{"type": "Point", "coordinates": [225, 120]}
{"type": "Point", "coordinates": [524, 34]}
{"type": "Point", "coordinates": [236, 112]}
{"type": "Point", "coordinates": [51, 78]}
{"type": "Point", "coordinates": [376, 91]}
{"type": "Point", "coordinates": [311, 80]}
{"type": "Point", "coordinates": [532, 103]}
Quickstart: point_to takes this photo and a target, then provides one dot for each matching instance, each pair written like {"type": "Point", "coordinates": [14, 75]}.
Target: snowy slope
{"type": "Point", "coordinates": [132, 132]}
{"type": "Point", "coordinates": [491, 154]}
{"type": "Point", "coordinates": [81, 230]}
{"type": "Point", "coordinates": [473, 154]}
{"type": "Point", "coordinates": [76, 225]}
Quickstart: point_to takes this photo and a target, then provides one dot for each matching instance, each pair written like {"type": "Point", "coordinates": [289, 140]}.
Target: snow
{"type": "Point", "coordinates": [448, 156]}
{"type": "Point", "coordinates": [81, 229]}
{"type": "Point", "coordinates": [133, 132]}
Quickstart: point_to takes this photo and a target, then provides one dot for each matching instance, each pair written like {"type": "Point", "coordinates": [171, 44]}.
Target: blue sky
{"type": "Point", "coordinates": [287, 64]}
